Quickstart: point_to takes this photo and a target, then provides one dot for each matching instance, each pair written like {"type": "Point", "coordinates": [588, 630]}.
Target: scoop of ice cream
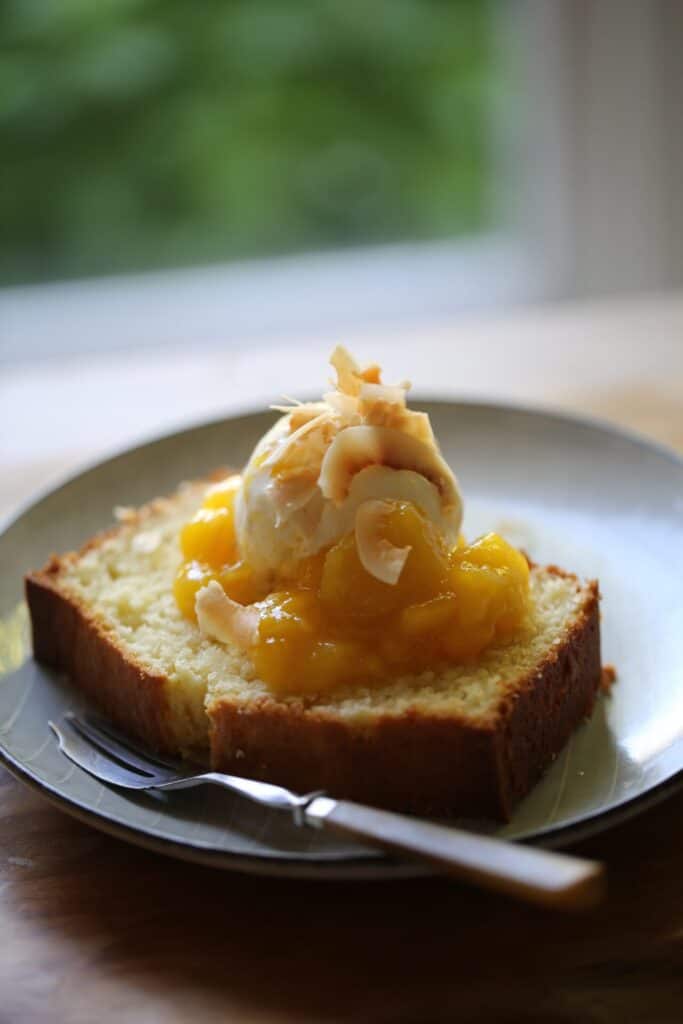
{"type": "Point", "coordinates": [309, 476]}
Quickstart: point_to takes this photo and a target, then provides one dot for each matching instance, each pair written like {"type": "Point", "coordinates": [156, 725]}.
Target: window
{"type": "Point", "coordinates": [277, 167]}
{"type": "Point", "coordinates": [145, 135]}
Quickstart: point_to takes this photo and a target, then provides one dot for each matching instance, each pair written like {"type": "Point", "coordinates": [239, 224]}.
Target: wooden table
{"type": "Point", "coordinates": [94, 930]}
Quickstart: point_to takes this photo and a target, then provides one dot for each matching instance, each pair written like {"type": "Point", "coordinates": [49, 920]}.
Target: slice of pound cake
{"type": "Point", "coordinates": [470, 739]}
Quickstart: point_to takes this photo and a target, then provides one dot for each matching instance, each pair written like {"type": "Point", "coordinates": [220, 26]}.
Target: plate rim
{"type": "Point", "coordinates": [370, 865]}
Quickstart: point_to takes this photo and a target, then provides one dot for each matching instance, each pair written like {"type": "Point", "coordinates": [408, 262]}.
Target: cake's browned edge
{"type": "Point", "coordinates": [537, 719]}
{"type": "Point", "coordinates": [429, 764]}
{"type": "Point", "coordinates": [67, 636]}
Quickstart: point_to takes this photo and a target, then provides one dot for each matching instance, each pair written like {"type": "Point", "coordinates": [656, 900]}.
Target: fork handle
{"type": "Point", "coordinates": [525, 872]}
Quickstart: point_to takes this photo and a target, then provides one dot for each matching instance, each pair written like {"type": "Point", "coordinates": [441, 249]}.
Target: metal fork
{"type": "Point", "coordinates": [526, 872]}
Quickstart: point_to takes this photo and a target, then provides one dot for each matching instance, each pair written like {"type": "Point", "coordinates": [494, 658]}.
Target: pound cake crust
{"type": "Point", "coordinates": [158, 679]}
{"type": "Point", "coordinates": [67, 636]}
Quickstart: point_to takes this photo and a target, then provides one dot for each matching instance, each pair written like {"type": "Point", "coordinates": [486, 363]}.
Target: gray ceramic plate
{"type": "Point", "coordinates": [569, 491]}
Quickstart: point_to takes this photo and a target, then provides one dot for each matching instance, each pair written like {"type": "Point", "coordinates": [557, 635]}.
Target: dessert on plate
{"type": "Point", "coordinates": [320, 620]}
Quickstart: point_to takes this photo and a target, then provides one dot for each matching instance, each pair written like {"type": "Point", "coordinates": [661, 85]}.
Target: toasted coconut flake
{"type": "Point", "coordinates": [384, 405]}
{"type": "Point", "coordinates": [384, 394]}
{"type": "Point", "coordinates": [345, 405]}
{"type": "Point", "coordinates": [220, 618]}
{"type": "Point", "coordinates": [383, 483]}
{"type": "Point", "coordinates": [418, 425]}
{"type": "Point", "coordinates": [372, 374]}
{"type": "Point", "coordinates": [357, 447]}
{"type": "Point", "coordinates": [348, 371]}
{"type": "Point", "coordinates": [378, 556]}
{"type": "Point", "coordinates": [291, 457]}
{"type": "Point", "coordinates": [350, 377]}
{"type": "Point", "coordinates": [305, 413]}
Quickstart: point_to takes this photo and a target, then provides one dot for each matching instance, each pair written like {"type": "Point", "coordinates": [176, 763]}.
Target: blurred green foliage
{"type": "Point", "coordinates": [150, 133]}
